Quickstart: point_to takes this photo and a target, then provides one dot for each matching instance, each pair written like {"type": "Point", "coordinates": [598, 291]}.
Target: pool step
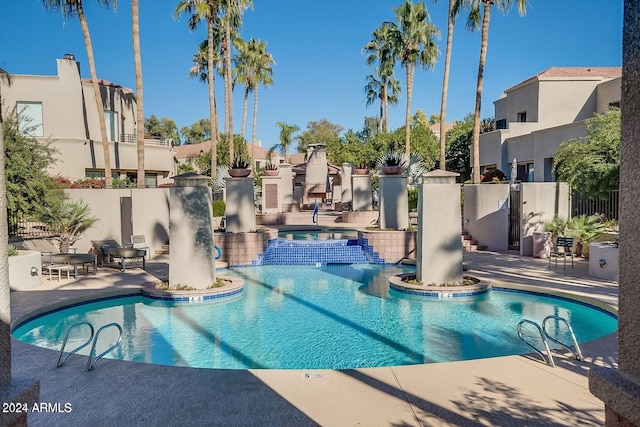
{"type": "Point", "coordinates": [311, 252]}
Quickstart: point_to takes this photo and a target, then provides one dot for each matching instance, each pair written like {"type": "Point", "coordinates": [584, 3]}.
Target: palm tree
{"type": "Point", "coordinates": [233, 10]}
{"type": "Point", "coordinates": [451, 17]}
{"type": "Point", "coordinates": [286, 139]}
{"type": "Point", "coordinates": [263, 76]}
{"type": "Point", "coordinates": [135, 30]}
{"type": "Point", "coordinates": [71, 8]}
{"type": "Point", "coordinates": [5, 295]}
{"type": "Point", "coordinates": [413, 44]}
{"type": "Point", "coordinates": [387, 94]}
{"type": "Point", "coordinates": [207, 10]}
{"type": "Point", "coordinates": [380, 50]}
{"type": "Point", "coordinates": [243, 74]}
{"type": "Point", "coordinates": [473, 23]}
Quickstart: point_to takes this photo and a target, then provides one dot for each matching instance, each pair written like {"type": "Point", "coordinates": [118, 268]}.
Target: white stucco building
{"type": "Point", "coordinates": [62, 110]}
{"type": "Point", "coordinates": [536, 115]}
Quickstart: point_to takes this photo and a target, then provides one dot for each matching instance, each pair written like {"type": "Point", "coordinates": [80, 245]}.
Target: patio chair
{"type": "Point", "coordinates": [138, 241]}
{"type": "Point", "coordinates": [54, 260]}
{"type": "Point", "coordinates": [110, 250]}
{"type": "Point", "coordinates": [563, 248]}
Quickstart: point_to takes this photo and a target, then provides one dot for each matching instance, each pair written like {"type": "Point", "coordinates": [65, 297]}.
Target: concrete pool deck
{"type": "Point", "coordinates": [509, 391]}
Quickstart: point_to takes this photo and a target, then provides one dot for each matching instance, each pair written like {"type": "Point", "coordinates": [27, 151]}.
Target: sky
{"type": "Point", "coordinates": [320, 69]}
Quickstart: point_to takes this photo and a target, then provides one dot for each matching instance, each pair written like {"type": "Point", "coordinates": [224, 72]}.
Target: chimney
{"type": "Point", "coordinates": [69, 56]}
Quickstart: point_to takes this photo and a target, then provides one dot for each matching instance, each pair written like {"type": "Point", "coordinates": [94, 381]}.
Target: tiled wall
{"type": "Point", "coordinates": [392, 246]}
{"type": "Point", "coordinates": [243, 248]}
{"type": "Point", "coordinates": [313, 251]}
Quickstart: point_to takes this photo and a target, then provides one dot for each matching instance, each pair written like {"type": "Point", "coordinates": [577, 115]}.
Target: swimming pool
{"type": "Point", "coordinates": [319, 234]}
{"type": "Point", "coordinates": [331, 317]}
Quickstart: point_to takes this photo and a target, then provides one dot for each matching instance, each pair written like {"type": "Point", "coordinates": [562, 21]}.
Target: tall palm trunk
{"type": "Point", "coordinates": [445, 89]}
{"type": "Point", "coordinates": [212, 103]}
{"type": "Point", "coordinates": [253, 125]}
{"type": "Point", "coordinates": [5, 293]}
{"type": "Point", "coordinates": [383, 96]}
{"type": "Point", "coordinates": [386, 109]}
{"type": "Point", "coordinates": [407, 116]}
{"type": "Point", "coordinates": [135, 30]}
{"type": "Point", "coordinates": [227, 60]}
{"type": "Point", "coordinates": [486, 16]}
{"type": "Point", "coordinates": [245, 107]}
{"type": "Point", "coordinates": [96, 89]}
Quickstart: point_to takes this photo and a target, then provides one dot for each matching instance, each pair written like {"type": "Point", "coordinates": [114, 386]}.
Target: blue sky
{"type": "Point", "coordinates": [320, 69]}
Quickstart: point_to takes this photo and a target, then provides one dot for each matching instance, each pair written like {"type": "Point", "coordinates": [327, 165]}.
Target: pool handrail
{"type": "Point", "coordinates": [577, 354]}
{"type": "Point", "coordinates": [549, 358]}
{"type": "Point", "coordinates": [62, 361]}
{"type": "Point", "coordinates": [93, 360]}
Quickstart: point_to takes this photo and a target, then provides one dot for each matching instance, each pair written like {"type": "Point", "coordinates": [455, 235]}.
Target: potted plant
{"type": "Point", "coordinates": [270, 169]}
{"type": "Point", "coordinates": [392, 163]}
{"type": "Point", "coordinates": [362, 169]}
{"type": "Point", "coordinates": [239, 168]}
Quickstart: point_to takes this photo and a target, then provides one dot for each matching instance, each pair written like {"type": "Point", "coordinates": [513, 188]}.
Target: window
{"type": "Point", "coordinates": [521, 116]}
{"type": "Point", "coordinates": [501, 124]}
{"type": "Point", "coordinates": [30, 118]}
{"type": "Point", "coordinates": [525, 172]}
{"type": "Point", "coordinates": [151, 180]}
{"type": "Point", "coordinates": [111, 121]}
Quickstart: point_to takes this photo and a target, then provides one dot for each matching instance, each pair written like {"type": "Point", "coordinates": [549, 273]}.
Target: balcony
{"type": "Point", "coordinates": [131, 138]}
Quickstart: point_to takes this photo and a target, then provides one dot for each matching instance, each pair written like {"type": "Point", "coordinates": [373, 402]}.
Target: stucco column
{"type": "Point", "coordinates": [285, 172]}
{"type": "Point", "coordinates": [619, 388]}
{"type": "Point", "coordinates": [393, 202]}
{"type": "Point", "coordinates": [192, 257]}
{"type": "Point", "coordinates": [347, 171]}
{"type": "Point", "coordinates": [361, 199]}
{"type": "Point", "coordinates": [439, 243]}
{"type": "Point", "coordinates": [240, 210]}
{"type": "Point", "coordinates": [271, 196]}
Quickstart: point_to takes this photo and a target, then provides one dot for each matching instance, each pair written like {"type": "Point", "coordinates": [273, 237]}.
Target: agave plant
{"type": "Point", "coordinates": [239, 163]}
{"type": "Point", "coordinates": [557, 227]}
{"type": "Point", "coordinates": [69, 219]}
{"type": "Point", "coordinates": [270, 167]}
{"type": "Point", "coordinates": [393, 158]}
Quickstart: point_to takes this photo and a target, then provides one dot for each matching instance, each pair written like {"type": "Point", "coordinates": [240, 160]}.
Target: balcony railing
{"type": "Point", "coordinates": [131, 138]}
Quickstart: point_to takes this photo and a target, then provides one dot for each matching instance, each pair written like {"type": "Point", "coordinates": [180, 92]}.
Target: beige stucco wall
{"type": "Point", "coordinates": [564, 101]}
{"type": "Point", "coordinates": [541, 201]}
{"type": "Point", "coordinates": [609, 92]}
{"type": "Point", "coordinates": [486, 214]}
{"type": "Point", "coordinates": [524, 98]}
{"type": "Point", "coordinates": [150, 215]}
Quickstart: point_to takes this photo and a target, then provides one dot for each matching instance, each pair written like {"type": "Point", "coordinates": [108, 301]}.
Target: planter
{"type": "Point", "coordinates": [271, 172]}
{"type": "Point", "coordinates": [392, 170]}
{"type": "Point", "coordinates": [24, 270]}
{"type": "Point", "coordinates": [239, 173]}
{"type": "Point", "coordinates": [362, 171]}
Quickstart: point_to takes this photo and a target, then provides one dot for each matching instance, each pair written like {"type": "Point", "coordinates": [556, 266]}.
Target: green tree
{"type": "Point", "coordinates": [205, 10]}
{"type": "Point", "coordinates": [458, 149]}
{"type": "Point", "coordinates": [198, 132]}
{"type": "Point", "coordinates": [380, 51]}
{"type": "Point", "coordinates": [29, 187]}
{"type": "Point", "coordinates": [286, 139]}
{"type": "Point", "coordinates": [319, 132]}
{"type": "Point", "coordinates": [71, 8]}
{"type": "Point", "coordinates": [164, 128]}
{"type": "Point", "coordinates": [476, 20]}
{"type": "Point", "coordinates": [5, 292]}
{"type": "Point", "coordinates": [69, 220]}
{"type": "Point", "coordinates": [591, 164]}
{"type": "Point", "coordinates": [413, 45]}
{"type": "Point", "coordinates": [135, 32]}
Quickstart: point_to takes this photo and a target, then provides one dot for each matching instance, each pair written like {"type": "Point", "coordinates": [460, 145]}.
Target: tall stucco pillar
{"type": "Point", "coordinates": [192, 257]}
{"type": "Point", "coordinates": [271, 196]}
{"type": "Point", "coordinates": [393, 202]}
{"type": "Point", "coordinates": [286, 185]}
{"type": "Point", "coordinates": [347, 171]}
{"type": "Point", "coordinates": [361, 193]}
{"type": "Point", "coordinates": [240, 210]}
{"type": "Point", "coordinates": [439, 251]}
{"type": "Point", "coordinates": [619, 389]}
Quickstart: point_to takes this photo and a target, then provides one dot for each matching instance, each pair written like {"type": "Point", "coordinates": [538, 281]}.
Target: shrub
{"type": "Point", "coordinates": [219, 208]}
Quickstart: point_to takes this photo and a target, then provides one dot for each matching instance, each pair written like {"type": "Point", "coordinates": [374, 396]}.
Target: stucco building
{"type": "Point", "coordinates": [62, 110]}
{"type": "Point", "coordinates": [536, 115]}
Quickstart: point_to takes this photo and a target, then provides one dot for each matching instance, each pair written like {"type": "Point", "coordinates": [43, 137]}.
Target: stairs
{"type": "Point", "coordinates": [468, 244]}
{"type": "Point", "coordinates": [311, 252]}
{"type": "Point", "coordinates": [164, 249]}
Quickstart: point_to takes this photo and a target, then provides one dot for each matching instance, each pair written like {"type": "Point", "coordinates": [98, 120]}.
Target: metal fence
{"type": "Point", "coordinates": [608, 207]}
{"type": "Point", "coordinates": [22, 226]}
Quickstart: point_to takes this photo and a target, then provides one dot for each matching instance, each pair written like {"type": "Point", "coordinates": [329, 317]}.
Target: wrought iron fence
{"type": "Point", "coordinates": [21, 225]}
{"type": "Point", "coordinates": [608, 207]}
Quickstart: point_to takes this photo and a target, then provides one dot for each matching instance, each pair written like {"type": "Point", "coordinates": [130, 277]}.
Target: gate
{"type": "Point", "coordinates": [515, 217]}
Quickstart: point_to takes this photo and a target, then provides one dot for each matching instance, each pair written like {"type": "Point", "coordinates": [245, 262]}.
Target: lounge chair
{"type": "Point", "coordinates": [138, 241]}
{"type": "Point", "coordinates": [110, 250]}
{"type": "Point", "coordinates": [52, 259]}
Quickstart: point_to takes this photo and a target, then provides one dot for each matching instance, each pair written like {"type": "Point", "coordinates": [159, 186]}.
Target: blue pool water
{"type": "Point", "coordinates": [320, 234]}
{"type": "Point", "coordinates": [329, 317]}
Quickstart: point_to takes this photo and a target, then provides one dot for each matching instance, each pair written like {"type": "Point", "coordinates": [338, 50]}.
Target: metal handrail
{"type": "Point", "coordinates": [93, 360]}
{"type": "Point", "coordinates": [577, 354]}
{"type": "Point", "coordinates": [62, 361]}
{"type": "Point", "coordinates": [549, 359]}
